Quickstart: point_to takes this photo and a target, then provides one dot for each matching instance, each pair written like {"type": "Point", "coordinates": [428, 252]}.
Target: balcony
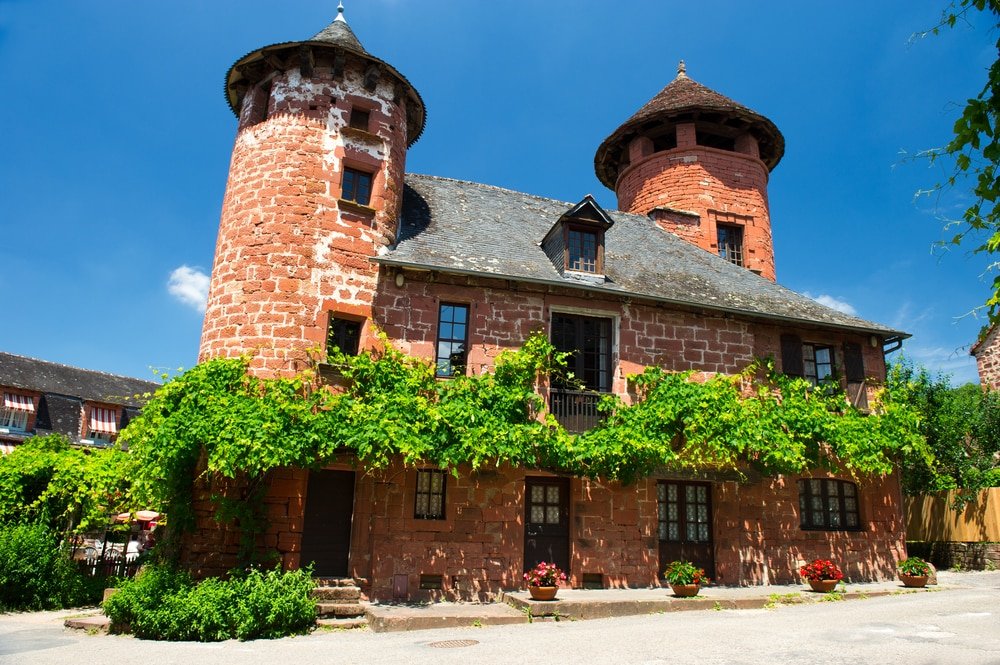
{"type": "Point", "coordinates": [576, 410]}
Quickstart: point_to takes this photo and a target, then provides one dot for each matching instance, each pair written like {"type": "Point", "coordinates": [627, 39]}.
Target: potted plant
{"type": "Point", "coordinates": [913, 572]}
{"type": "Point", "coordinates": [823, 575]}
{"type": "Point", "coordinates": [543, 581]}
{"type": "Point", "coordinates": [685, 578]}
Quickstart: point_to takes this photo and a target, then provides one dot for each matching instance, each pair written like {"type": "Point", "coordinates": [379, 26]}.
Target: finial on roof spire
{"type": "Point", "coordinates": [340, 13]}
{"type": "Point", "coordinates": [682, 72]}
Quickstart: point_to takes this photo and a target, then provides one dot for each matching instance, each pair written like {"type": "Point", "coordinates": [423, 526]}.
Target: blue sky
{"type": "Point", "coordinates": [116, 139]}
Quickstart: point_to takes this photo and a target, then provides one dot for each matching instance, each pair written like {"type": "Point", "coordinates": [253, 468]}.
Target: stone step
{"type": "Point", "coordinates": [348, 623]}
{"type": "Point", "coordinates": [340, 610]}
{"type": "Point", "coordinates": [337, 594]}
{"type": "Point", "coordinates": [336, 581]}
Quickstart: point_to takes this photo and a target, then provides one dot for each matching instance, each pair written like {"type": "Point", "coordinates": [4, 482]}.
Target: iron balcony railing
{"type": "Point", "coordinates": [576, 410]}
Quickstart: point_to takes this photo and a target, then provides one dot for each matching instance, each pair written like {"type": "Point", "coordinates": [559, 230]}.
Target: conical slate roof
{"type": "Point", "coordinates": [337, 35]}
{"type": "Point", "coordinates": [685, 98]}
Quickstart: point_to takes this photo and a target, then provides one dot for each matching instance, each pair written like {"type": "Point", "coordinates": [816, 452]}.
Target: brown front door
{"type": "Point", "coordinates": [546, 522]}
{"type": "Point", "coordinates": [685, 524]}
{"type": "Point", "coordinates": [326, 529]}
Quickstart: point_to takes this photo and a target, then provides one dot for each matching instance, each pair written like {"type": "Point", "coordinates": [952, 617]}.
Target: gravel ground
{"type": "Point", "coordinates": [957, 625]}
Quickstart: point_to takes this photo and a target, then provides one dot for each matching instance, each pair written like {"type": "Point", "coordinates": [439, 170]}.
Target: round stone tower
{"type": "Point", "coordinates": [698, 164]}
{"type": "Point", "coordinates": [315, 190]}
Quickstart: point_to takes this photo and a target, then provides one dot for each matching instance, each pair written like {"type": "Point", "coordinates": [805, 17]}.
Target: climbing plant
{"type": "Point", "coordinates": [220, 421]}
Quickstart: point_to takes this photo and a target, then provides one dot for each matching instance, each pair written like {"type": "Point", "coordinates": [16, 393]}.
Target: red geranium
{"type": "Point", "coordinates": [545, 574]}
{"type": "Point", "coordinates": [821, 569]}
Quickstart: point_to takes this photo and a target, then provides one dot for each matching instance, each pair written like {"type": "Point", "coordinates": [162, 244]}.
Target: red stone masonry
{"type": "Point", "coordinates": [288, 245]}
{"type": "Point", "coordinates": [719, 186]}
{"type": "Point", "coordinates": [987, 353]}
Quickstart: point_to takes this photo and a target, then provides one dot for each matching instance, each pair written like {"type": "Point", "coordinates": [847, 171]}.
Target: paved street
{"type": "Point", "coordinates": [960, 625]}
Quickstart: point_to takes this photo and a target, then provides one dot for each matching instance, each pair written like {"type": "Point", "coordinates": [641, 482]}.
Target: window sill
{"type": "Point", "coordinates": [353, 206]}
{"type": "Point", "coordinates": [361, 134]}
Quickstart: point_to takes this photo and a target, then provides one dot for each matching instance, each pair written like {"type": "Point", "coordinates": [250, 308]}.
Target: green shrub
{"type": "Point", "coordinates": [162, 604]}
{"type": "Point", "coordinates": [36, 573]}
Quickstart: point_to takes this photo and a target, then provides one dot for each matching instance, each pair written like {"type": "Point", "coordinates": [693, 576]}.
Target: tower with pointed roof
{"type": "Point", "coordinates": [698, 164]}
{"type": "Point", "coordinates": [314, 192]}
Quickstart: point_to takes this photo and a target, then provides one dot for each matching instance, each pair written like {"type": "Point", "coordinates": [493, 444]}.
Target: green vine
{"type": "Point", "coordinates": [218, 420]}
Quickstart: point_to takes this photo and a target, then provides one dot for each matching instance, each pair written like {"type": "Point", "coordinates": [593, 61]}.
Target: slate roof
{"type": "Point", "coordinates": [468, 228]}
{"type": "Point", "coordinates": [89, 385]}
{"type": "Point", "coordinates": [685, 97]}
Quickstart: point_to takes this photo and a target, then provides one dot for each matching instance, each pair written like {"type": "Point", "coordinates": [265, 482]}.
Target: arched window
{"type": "Point", "coordinates": [828, 505]}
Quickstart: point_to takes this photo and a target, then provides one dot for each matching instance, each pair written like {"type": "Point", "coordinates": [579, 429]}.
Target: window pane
{"type": "Point", "coordinates": [832, 487]}
{"type": "Point", "coordinates": [817, 518]}
{"type": "Point", "coordinates": [815, 486]}
{"type": "Point", "coordinates": [661, 492]}
{"type": "Point", "coordinates": [673, 532]}
{"type": "Point", "coordinates": [703, 533]}
{"type": "Point", "coordinates": [851, 504]}
{"type": "Point", "coordinates": [852, 520]}
{"type": "Point", "coordinates": [552, 515]}
{"type": "Point", "coordinates": [672, 492]}
{"type": "Point", "coordinates": [672, 511]}
{"type": "Point", "coordinates": [537, 494]}
{"type": "Point", "coordinates": [848, 489]}
{"type": "Point", "coordinates": [663, 531]}
{"type": "Point", "coordinates": [702, 494]}
{"type": "Point", "coordinates": [552, 494]}
{"type": "Point", "coordinates": [436, 510]}
{"type": "Point", "coordinates": [423, 481]}
{"type": "Point", "coordinates": [422, 504]}
{"type": "Point", "coordinates": [689, 493]}
{"type": "Point", "coordinates": [436, 479]}
{"type": "Point", "coordinates": [692, 532]}
{"type": "Point", "coordinates": [537, 514]}
{"type": "Point", "coordinates": [703, 513]}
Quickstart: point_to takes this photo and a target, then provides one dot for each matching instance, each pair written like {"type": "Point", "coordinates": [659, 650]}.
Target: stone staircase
{"type": "Point", "coordinates": [338, 603]}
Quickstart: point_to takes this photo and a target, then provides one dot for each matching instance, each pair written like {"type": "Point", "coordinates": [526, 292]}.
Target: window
{"type": "Point", "coordinates": [357, 186]}
{"type": "Point", "coordinates": [103, 424]}
{"type": "Point", "coordinates": [15, 412]}
{"type": "Point", "coordinates": [343, 334]}
{"type": "Point", "coordinates": [830, 505]}
{"type": "Point", "coordinates": [582, 251]}
{"type": "Point", "coordinates": [360, 118]}
{"type": "Point", "coordinates": [588, 338]}
{"type": "Point", "coordinates": [817, 362]}
{"type": "Point", "coordinates": [453, 331]}
{"type": "Point", "coordinates": [683, 511]}
{"type": "Point", "coordinates": [429, 504]}
{"type": "Point", "coordinates": [730, 242]}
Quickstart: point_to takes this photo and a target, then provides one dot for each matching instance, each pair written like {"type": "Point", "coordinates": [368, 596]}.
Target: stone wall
{"type": "Point", "coordinates": [987, 353]}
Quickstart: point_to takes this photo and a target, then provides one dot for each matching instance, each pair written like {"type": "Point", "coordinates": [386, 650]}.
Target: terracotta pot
{"type": "Point", "coordinates": [914, 581]}
{"type": "Point", "coordinates": [685, 590]}
{"type": "Point", "coordinates": [543, 592]}
{"type": "Point", "coordinates": [823, 586]}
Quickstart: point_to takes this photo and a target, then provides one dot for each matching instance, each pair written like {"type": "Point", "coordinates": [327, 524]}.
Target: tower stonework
{"type": "Point", "coordinates": [698, 164]}
{"type": "Point", "coordinates": [314, 192]}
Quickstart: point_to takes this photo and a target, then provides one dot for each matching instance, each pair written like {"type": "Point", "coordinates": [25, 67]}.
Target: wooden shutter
{"type": "Point", "coordinates": [791, 355]}
{"type": "Point", "coordinates": [854, 363]}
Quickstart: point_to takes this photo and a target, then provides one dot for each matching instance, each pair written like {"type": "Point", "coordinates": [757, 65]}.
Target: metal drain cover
{"type": "Point", "coordinates": [451, 644]}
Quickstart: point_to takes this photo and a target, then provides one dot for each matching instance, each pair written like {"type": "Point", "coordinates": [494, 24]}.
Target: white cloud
{"type": "Point", "coordinates": [190, 286]}
{"type": "Point", "coordinates": [834, 303]}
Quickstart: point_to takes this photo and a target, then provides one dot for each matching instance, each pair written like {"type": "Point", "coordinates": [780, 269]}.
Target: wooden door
{"type": "Point", "coordinates": [326, 530]}
{"type": "Point", "coordinates": [546, 522]}
{"type": "Point", "coordinates": [685, 524]}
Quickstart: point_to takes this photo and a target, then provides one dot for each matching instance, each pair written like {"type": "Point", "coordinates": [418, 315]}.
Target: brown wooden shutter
{"type": "Point", "coordinates": [854, 362]}
{"type": "Point", "coordinates": [791, 355]}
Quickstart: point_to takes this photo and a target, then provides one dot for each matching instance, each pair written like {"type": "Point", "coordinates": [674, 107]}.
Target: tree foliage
{"type": "Point", "coordinates": [47, 481]}
{"type": "Point", "coordinates": [961, 427]}
{"type": "Point", "coordinates": [220, 421]}
{"type": "Point", "coordinates": [975, 150]}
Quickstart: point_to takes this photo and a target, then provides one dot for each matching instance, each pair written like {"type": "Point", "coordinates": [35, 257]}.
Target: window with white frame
{"type": "Point", "coordinates": [15, 412]}
{"type": "Point", "coordinates": [103, 424]}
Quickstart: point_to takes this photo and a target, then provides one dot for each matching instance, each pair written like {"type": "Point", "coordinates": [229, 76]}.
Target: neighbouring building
{"type": "Point", "coordinates": [986, 351]}
{"type": "Point", "coordinates": [324, 236]}
{"type": "Point", "coordinates": [87, 407]}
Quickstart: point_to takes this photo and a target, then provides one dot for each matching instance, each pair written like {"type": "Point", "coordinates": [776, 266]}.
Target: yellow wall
{"type": "Point", "coordinates": [930, 517]}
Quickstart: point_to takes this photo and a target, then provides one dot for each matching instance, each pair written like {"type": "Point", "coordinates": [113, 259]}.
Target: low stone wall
{"type": "Point", "coordinates": [967, 556]}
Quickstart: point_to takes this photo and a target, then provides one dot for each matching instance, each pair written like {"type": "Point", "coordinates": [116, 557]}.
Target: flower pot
{"type": "Point", "coordinates": [823, 586]}
{"type": "Point", "coordinates": [543, 592]}
{"type": "Point", "coordinates": [685, 590]}
{"type": "Point", "coordinates": [914, 581]}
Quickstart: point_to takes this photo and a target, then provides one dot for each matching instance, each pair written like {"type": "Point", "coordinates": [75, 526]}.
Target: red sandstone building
{"type": "Point", "coordinates": [986, 351]}
{"type": "Point", "coordinates": [324, 237]}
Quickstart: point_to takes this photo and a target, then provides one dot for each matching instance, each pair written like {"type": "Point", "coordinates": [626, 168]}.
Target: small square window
{"type": "Point", "coordinates": [360, 119]}
{"type": "Point", "coordinates": [343, 334]}
{"type": "Point", "coordinates": [429, 503]}
{"type": "Point", "coordinates": [357, 186]}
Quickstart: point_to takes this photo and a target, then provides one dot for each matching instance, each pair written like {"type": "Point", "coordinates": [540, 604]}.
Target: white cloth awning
{"type": "Point", "coordinates": [103, 420]}
{"type": "Point", "coordinates": [16, 402]}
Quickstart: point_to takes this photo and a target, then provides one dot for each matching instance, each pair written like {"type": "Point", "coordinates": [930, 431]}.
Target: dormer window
{"type": "Point", "coordinates": [15, 412]}
{"type": "Point", "coordinates": [575, 243]}
{"type": "Point", "coordinates": [103, 424]}
{"type": "Point", "coordinates": [582, 250]}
